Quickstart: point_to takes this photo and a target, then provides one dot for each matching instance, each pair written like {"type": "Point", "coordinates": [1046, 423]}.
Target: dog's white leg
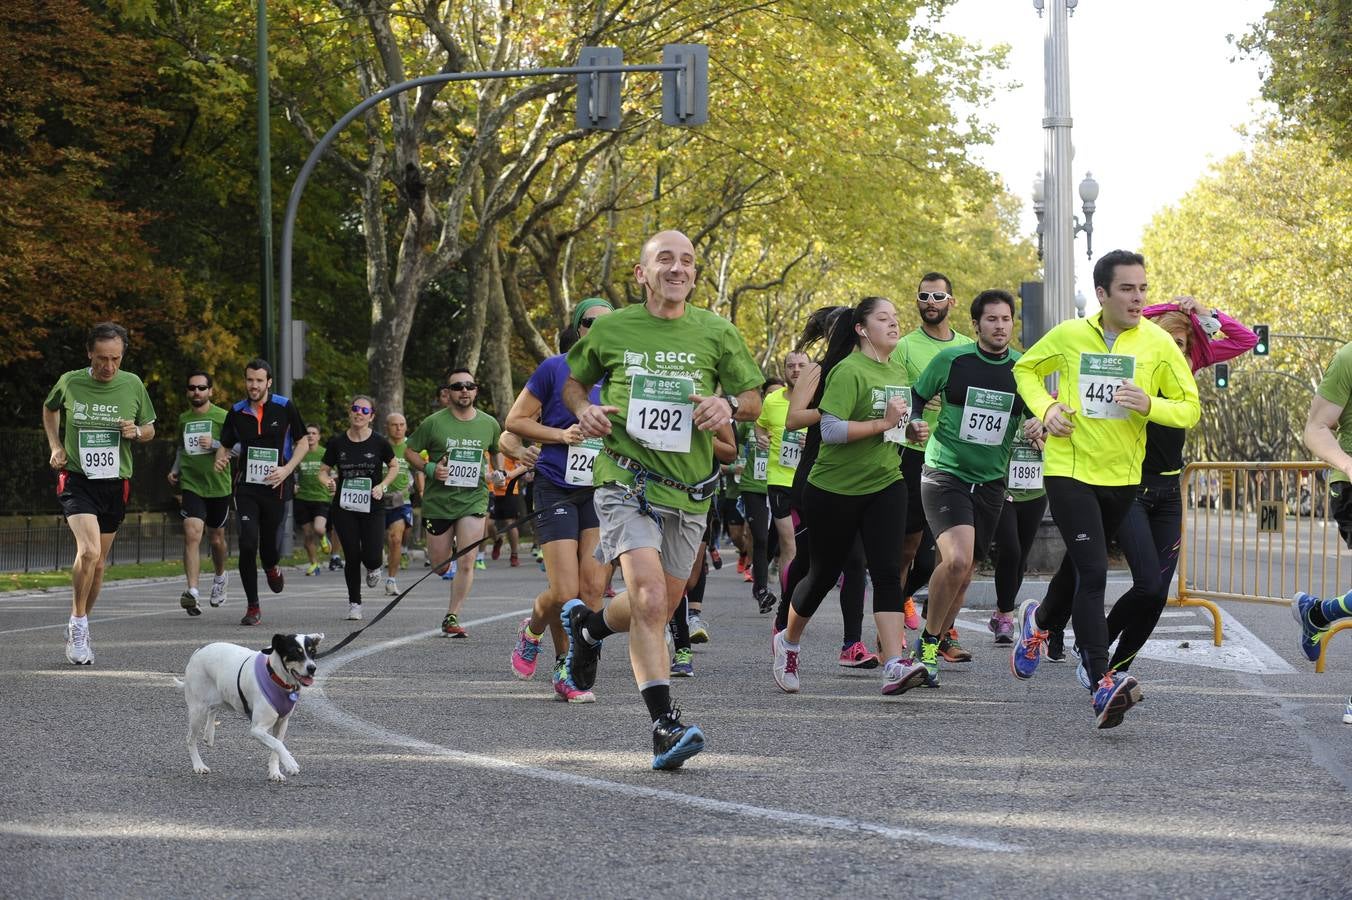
{"type": "Point", "coordinates": [279, 730]}
{"type": "Point", "coordinates": [209, 729]}
{"type": "Point", "coordinates": [197, 716]}
{"type": "Point", "coordinates": [280, 758]}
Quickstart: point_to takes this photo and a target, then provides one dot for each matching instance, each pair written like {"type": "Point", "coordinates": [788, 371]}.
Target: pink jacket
{"type": "Point", "coordinates": [1233, 340]}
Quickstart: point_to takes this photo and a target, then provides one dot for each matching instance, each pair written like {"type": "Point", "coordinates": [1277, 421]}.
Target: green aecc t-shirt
{"type": "Point", "coordinates": [91, 413]}
{"type": "Point", "coordinates": [857, 390]}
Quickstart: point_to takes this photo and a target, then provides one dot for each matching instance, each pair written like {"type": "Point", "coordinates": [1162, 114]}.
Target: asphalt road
{"type": "Point", "coordinates": [428, 770]}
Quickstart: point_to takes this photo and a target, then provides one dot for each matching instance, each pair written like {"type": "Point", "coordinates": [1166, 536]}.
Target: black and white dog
{"type": "Point", "coordinates": [263, 685]}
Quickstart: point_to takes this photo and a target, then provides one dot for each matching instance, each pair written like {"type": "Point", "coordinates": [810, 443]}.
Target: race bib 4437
{"type": "Point", "coordinates": [1101, 374]}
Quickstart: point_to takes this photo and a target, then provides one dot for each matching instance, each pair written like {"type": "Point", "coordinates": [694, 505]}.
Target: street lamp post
{"type": "Point", "coordinates": [1089, 191]}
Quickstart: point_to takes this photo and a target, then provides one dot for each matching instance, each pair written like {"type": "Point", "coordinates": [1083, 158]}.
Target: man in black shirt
{"type": "Point", "coordinates": [263, 430]}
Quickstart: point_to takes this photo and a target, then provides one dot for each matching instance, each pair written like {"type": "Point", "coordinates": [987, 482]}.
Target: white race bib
{"type": "Point", "coordinates": [1101, 374]}
{"type": "Point", "coordinates": [197, 437]}
{"type": "Point", "coordinates": [1025, 468]}
{"type": "Point", "coordinates": [259, 463]}
{"type": "Point", "coordinates": [760, 463]}
{"type": "Point", "coordinates": [985, 416]}
{"type": "Point", "coordinates": [465, 467]}
{"type": "Point", "coordinates": [355, 495]}
{"type": "Point", "coordinates": [897, 434]}
{"type": "Point", "coordinates": [581, 461]}
{"type": "Point", "coordinates": [100, 452]}
{"type": "Point", "coordinates": [661, 416]}
{"type": "Point", "coordinates": [791, 449]}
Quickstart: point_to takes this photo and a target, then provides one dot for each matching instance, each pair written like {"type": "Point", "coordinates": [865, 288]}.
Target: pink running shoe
{"type": "Point", "coordinates": [566, 690]}
{"type": "Point", "coordinates": [912, 617]}
{"type": "Point", "coordinates": [857, 656]}
{"type": "Point", "coordinates": [525, 652]}
{"type": "Point", "coordinates": [1001, 625]}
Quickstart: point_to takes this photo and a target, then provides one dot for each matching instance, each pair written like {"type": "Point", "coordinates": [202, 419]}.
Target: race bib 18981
{"type": "Point", "coordinates": [464, 467]}
{"type": "Point", "coordinates": [355, 495]}
{"type": "Point", "coordinates": [1101, 374]}
{"type": "Point", "coordinates": [985, 416]}
{"type": "Point", "coordinates": [259, 463]}
{"type": "Point", "coordinates": [197, 437]}
{"type": "Point", "coordinates": [1025, 467]}
{"type": "Point", "coordinates": [99, 452]}
{"type": "Point", "coordinates": [661, 416]}
{"type": "Point", "coordinates": [581, 461]}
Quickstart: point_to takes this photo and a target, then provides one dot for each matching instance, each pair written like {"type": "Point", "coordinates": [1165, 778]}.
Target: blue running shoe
{"type": "Point", "coordinates": [582, 655]}
{"type": "Point", "coordinates": [1081, 672]}
{"type": "Point", "coordinates": [1032, 642]}
{"type": "Point", "coordinates": [1117, 693]}
{"type": "Point", "coordinates": [1309, 635]}
{"type": "Point", "coordinates": [674, 743]}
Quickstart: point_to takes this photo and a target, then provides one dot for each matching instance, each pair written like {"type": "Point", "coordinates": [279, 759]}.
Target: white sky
{"type": "Point", "coordinates": [1153, 93]}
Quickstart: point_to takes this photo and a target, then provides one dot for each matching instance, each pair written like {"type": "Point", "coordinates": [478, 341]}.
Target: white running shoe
{"type": "Point", "coordinates": [786, 666]}
{"type": "Point", "coordinates": [354, 612]}
{"type": "Point", "coordinates": [1347, 712]}
{"type": "Point", "coordinates": [372, 577]}
{"type": "Point", "coordinates": [79, 650]}
{"type": "Point", "coordinates": [390, 587]}
{"type": "Point", "coordinates": [72, 653]}
{"type": "Point", "coordinates": [699, 632]}
{"type": "Point", "coordinates": [217, 591]}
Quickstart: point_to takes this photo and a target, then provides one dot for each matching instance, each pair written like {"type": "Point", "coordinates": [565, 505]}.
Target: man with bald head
{"type": "Point", "coordinates": [662, 363]}
{"type": "Point", "coordinates": [398, 506]}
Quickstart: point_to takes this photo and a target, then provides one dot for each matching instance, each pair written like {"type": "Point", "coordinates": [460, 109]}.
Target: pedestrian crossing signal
{"type": "Point", "coordinates": [1262, 347]}
{"type": "Point", "coordinates": [1222, 375]}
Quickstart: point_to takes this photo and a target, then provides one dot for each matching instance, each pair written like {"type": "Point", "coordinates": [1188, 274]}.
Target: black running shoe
{"type": "Point", "coordinates": [582, 656]}
{"type": "Point", "coordinates": [1056, 645]}
{"type": "Point", "coordinates": [674, 743]}
{"type": "Point", "coordinates": [765, 601]}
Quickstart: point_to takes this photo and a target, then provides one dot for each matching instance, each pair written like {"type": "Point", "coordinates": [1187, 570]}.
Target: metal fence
{"type": "Point", "coordinates": [44, 543]}
{"type": "Point", "coordinates": [1258, 533]}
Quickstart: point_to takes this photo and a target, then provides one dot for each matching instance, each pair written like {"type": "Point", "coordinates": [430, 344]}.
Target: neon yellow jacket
{"type": "Point", "coordinates": [1106, 451]}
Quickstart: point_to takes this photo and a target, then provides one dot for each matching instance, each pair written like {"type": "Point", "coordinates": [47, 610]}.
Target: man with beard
{"type": "Point", "coordinates": [205, 503]}
{"type": "Point", "coordinates": [915, 351]}
{"type": "Point", "coordinates": [268, 434]}
{"type": "Point", "coordinates": [963, 480]}
{"type": "Point", "coordinates": [456, 500]}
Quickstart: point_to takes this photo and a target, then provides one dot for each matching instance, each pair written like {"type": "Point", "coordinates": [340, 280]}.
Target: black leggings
{"type": "Point", "coordinates": [879, 519]}
{"type": "Point", "coordinates": [1149, 536]}
{"type": "Point", "coordinates": [260, 529]}
{"type": "Point", "coordinates": [756, 507]}
{"type": "Point", "coordinates": [1085, 515]}
{"type": "Point", "coordinates": [851, 587]}
{"type": "Point", "coordinates": [1014, 536]}
{"type": "Point", "coordinates": [363, 537]}
{"type": "Point", "coordinates": [680, 624]}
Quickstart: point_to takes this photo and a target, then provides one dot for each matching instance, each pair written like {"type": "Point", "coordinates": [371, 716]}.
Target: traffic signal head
{"type": "Point", "coordinates": [1222, 375]}
{"type": "Point", "coordinates": [1262, 347]}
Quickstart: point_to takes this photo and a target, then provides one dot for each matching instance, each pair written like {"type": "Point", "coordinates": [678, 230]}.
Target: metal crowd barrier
{"type": "Point", "coordinates": [1258, 532]}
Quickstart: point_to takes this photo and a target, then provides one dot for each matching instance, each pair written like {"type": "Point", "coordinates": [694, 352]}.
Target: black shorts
{"type": "Point", "coordinates": [441, 526]}
{"type": "Point", "coordinates": [306, 511]}
{"type": "Point", "coordinates": [399, 514]}
{"type": "Point", "coordinates": [1340, 507]}
{"type": "Point", "coordinates": [105, 498]}
{"type": "Point", "coordinates": [559, 521]}
{"type": "Point", "coordinates": [950, 501]}
{"type": "Point", "coordinates": [211, 510]}
{"type": "Point", "coordinates": [506, 507]}
{"type": "Point", "coordinates": [780, 508]}
{"type": "Point", "coordinates": [729, 513]}
{"type": "Point", "coordinates": [911, 463]}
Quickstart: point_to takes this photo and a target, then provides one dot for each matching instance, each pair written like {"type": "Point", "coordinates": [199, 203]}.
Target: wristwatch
{"type": "Point", "coordinates": [732, 404]}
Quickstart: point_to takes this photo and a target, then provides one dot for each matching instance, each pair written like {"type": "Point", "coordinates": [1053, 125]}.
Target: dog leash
{"type": "Point", "coordinates": [568, 500]}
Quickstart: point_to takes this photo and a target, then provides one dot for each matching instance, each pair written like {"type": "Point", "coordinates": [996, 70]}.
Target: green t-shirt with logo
{"type": "Point", "coordinates": [774, 413]}
{"type": "Point", "coordinates": [915, 351]}
{"type": "Point", "coordinates": [197, 431]}
{"type": "Point", "coordinates": [755, 461]}
{"type": "Point", "coordinates": [1336, 388]}
{"type": "Point", "coordinates": [91, 414]}
{"type": "Point", "coordinates": [462, 444]}
{"type": "Point", "coordinates": [857, 390]}
{"type": "Point", "coordinates": [981, 415]}
{"type": "Point", "coordinates": [308, 485]}
{"type": "Point", "coordinates": [403, 479]}
{"type": "Point", "coordinates": [650, 366]}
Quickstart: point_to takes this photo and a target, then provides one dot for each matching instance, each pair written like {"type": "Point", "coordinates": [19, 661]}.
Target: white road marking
{"type": "Point", "coordinates": [319, 702]}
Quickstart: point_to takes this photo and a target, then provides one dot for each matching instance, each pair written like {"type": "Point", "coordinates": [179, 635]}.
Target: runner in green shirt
{"type": "Point", "coordinates": [205, 493]}
{"type": "Point", "coordinates": [398, 500]}
{"type": "Point", "coordinates": [91, 417]}
{"type": "Point", "coordinates": [855, 488]}
{"type": "Point", "coordinates": [662, 362]}
{"type": "Point", "coordinates": [754, 455]}
{"type": "Point", "coordinates": [915, 350]}
{"type": "Point", "coordinates": [785, 447]}
{"type": "Point", "coordinates": [311, 504]}
{"type": "Point", "coordinates": [966, 460]}
{"type": "Point", "coordinates": [456, 500]}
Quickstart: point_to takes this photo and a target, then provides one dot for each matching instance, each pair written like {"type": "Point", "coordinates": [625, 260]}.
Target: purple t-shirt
{"type": "Point", "coordinates": [546, 385]}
